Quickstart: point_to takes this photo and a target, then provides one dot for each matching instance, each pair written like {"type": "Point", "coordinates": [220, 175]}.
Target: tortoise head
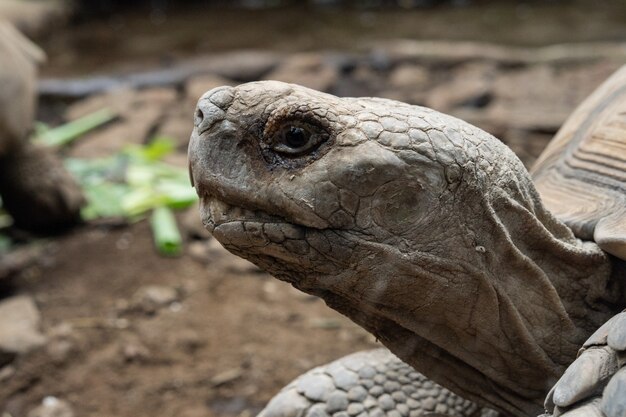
{"type": "Point", "coordinates": [423, 229]}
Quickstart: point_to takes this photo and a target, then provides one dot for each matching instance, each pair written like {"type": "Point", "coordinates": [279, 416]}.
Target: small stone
{"type": "Point", "coordinates": [337, 401]}
{"type": "Point", "coordinates": [154, 297]}
{"type": "Point", "coordinates": [386, 402]}
{"type": "Point", "coordinates": [341, 414]}
{"type": "Point", "coordinates": [52, 407]}
{"type": "Point", "coordinates": [134, 351]}
{"type": "Point", "coordinates": [393, 413]}
{"type": "Point", "coordinates": [441, 408]}
{"type": "Point", "coordinates": [357, 394]}
{"type": "Point", "coordinates": [6, 373]}
{"type": "Point", "coordinates": [19, 327]}
{"type": "Point", "coordinates": [380, 379]}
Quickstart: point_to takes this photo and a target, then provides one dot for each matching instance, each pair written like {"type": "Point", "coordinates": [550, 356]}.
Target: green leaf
{"type": "Point", "coordinates": [64, 134]}
{"type": "Point", "coordinates": [167, 238]}
{"type": "Point", "coordinates": [158, 148]}
{"type": "Point", "coordinates": [104, 200]}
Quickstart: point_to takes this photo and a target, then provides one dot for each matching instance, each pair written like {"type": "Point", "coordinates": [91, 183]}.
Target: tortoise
{"type": "Point", "coordinates": [430, 233]}
{"type": "Point", "coordinates": [36, 189]}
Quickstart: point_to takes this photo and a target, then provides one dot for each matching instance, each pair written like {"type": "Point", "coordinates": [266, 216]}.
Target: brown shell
{"type": "Point", "coordinates": [581, 175]}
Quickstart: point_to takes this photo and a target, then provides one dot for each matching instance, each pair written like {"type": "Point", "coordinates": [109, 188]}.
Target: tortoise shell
{"type": "Point", "coordinates": [581, 175]}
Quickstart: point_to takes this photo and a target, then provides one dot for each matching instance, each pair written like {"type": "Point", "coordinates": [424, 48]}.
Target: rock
{"type": "Point", "coordinates": [52, 407]}
{"type": "Point", "coordinates": [134, 351]}
{"type": "Point", "coordinates": [62, 342]}
{"type": "Point", "coordinates": [6, 373]}
{"type": "Point", "coordinates": [151, 298]}
{"type": "Point", "coordinates": [308, 69]}
{"type": "Point", "coordinates": [19, 327]}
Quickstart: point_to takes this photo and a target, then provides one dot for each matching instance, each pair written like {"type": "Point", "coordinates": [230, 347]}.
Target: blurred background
{"type": "Point", "coordinates": [126, 306]}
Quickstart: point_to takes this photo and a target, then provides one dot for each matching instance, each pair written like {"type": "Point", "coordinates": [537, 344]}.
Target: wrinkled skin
{"type": "Point", "coordinates": [423, 229]}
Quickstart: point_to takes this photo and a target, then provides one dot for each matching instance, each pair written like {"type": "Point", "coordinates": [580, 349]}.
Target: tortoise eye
{"type": "Point", "coordinates": [297, 139]}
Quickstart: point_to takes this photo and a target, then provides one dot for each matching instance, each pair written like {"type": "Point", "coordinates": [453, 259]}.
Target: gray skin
{"type": "Point", "coordinates": [425, 230]}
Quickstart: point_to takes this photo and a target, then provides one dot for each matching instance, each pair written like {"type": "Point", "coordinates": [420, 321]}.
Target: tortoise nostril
{"type": "Point", "coordinates": [198, 117]}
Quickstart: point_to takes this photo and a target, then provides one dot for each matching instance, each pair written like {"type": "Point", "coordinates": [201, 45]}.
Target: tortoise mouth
{"type": "Point", "coordinates": [216, 213]}
{"type": "Point", "coordinates": [245, 227]}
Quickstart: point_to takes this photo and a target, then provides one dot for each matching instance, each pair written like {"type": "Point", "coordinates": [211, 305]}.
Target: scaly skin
{"type": "Point", "coordinates": [423, 229]}
{"type": "Point", "coordinates": [372, 383]}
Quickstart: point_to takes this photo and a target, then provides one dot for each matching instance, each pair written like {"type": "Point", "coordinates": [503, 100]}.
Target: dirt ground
{"type": "Point", "coordinates": [230, 339]}
{"type": "Point", "coordinates": [130, 333]}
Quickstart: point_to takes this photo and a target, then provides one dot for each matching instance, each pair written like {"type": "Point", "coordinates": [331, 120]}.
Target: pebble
{"type": "Point", "coordinates": [151, 298]}
{"type": "Point", "coordinates": [52, 407]}
{"type": "Point", "coordinates": [19, 327]}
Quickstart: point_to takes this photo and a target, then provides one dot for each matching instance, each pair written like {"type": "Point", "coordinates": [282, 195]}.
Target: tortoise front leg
{"type": "Point", "coordinates": [371, 383]}
{"type": "Point", "coordinates": [595, 383]}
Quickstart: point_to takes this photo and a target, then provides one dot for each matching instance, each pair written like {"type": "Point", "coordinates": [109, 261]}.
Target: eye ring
{"type": "Point", "coordinates": [296, 138]}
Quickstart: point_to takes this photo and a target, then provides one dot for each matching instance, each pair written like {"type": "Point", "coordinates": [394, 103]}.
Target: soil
{"type": "Point", "coordinates": [232, 339]}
